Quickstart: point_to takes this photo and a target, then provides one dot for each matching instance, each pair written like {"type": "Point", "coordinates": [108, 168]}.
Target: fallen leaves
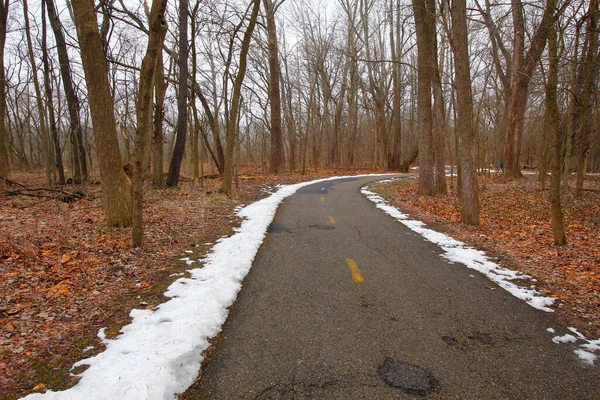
{"type": "Point", "coordinates": [64, 274]}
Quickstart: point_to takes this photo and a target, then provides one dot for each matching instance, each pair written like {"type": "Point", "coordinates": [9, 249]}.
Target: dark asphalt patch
{"type": "Point", "coordinates": [274, 227]}
{"type": "Point", "coordinates": [322, 227]}
{"type": "Point", "coordinates": [407, 377]}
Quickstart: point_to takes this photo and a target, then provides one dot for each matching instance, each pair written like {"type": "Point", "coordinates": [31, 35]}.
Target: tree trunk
{"type": "Point", "coordinates": [232, 126]}
{"type": "Point", "coordinates": [464, 124]}
{"type": "Point", "coordinates": [49, 100]}
{"type": "Point", "coordinates": [552, 122]}
{"type": "Point", "coordinates": [182, 98]}
{"type": "Point", "coordinates": [423, 22]}
{"type": "Point", "coordinates": [157, 135]}
{"type": "Point", "coordinates": [143, 108]}
{"type": "Point", "coordinates": [116, 186]}
{"type": "Point", "coordinates": [585, 93]}
{"type": "Point", "coordinates": [4, 166]}
{"type": "Point", "coordinates": [522, 68]}
{"type": "Point", "coordinates": [39, 101]}
{"type": "Point", "coordinates": [75, 132]}
{"type": "Point", "coordinates": [276, 158]}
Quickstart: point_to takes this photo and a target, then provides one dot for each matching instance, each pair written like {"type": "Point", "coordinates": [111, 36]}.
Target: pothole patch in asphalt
{"type": "Point", "coordinates": [275, 227]}
{"type": "Point", "coordinates": [322, 227]}
{"type": "Point", "coordinates": [407, 377]}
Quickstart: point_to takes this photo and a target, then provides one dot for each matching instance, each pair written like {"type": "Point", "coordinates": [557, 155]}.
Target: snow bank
{"type": "Point", "coordinates": [456, 251]}
{"type": "Point", "coordinates": [158, 354]}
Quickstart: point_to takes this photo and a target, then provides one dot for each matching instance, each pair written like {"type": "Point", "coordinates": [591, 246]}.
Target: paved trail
{"type": "Point", "coordinates": [341, 295]}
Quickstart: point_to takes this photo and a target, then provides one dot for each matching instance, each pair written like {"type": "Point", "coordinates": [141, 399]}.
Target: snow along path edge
{"type": "Point", "coordinates": [158, 355]}
{"type": "Point", "coordinates": [456, 251]}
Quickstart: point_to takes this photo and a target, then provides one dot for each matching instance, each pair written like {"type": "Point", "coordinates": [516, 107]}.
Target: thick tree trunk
{"type": "Point", "coordinates": [464, 124]}
{"type": "Point", "coordinates": [276, 158]}
{"type": "Point", "coordinates": [182, 98]}
{"type": "Point", "coordinates": [423, 22]}
{"type": "Point", "coordinates": [116, 186]}
{"type": "Point", "coordinates": [232, 126]}
{"type": "Point", "coordinates": [75, 133]}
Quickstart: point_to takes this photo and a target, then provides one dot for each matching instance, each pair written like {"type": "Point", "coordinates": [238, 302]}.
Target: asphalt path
{"type": "Point", "coordinates": [344, 302]}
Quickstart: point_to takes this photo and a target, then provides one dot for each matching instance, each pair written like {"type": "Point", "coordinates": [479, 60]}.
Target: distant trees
{"type": "Point", "coordinates": [285, 87]}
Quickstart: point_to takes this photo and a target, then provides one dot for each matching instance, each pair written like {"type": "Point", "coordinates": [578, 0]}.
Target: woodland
{"type": "Point", "coordinates": [131, 130]}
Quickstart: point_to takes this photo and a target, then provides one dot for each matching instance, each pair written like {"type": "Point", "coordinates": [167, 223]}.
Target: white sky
{"type": "Point", "coordinates": [158, 355]}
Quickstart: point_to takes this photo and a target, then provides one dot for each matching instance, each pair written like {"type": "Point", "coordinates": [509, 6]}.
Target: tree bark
{"type": "Point", "coordinates": [39, 100]}
{"type": "Point", "coordinates": [585, 93]}
{"type": "Point", "coordinates": [158, 30]}
{"type": "Point", "coordinates": [49, 100]}
{"type": "Point", "coordinates": [116, 186]}
{"type": "Point", "coordinates": [232, 126]}
{"type": "Point", "coordinates": [276, 158]}
{"type": "Point", "coordinates": [182, 98]}
{"type": "Point", "coordinates": [157, 135]}
{"type": "Point", "coordinates": [552, 122]}
{"type": "Point", "coordinates": [75, 132]}
{"type": "Point", "coordinates": [4, 165]}
{"type": "Point", "coordinates": [423, 23]}
{"type": "Point", "coordinates": [464, 124]}
{"type": "Point", "coordinates": [522, 68]}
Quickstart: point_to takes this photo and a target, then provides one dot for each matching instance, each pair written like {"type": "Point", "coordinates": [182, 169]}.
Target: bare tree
{"type": "Point", "coordinates": [144, 108]}
{"type": "Point", "coordinates": [464, 123]}
{"type": "Point", "coordinates": [233, 125]}
{"type": "Point", "coordinates": [552, 125]}
{"type": "Point", "coordinates": [4, 165]}
{"type": "Point", "coordinates": [75, 133]}
{"type": "Point", "coordinates": [182, 98]}
{"type": "Point", "coordinates": [116, 186]}
{"type": "Point", "coordinates": [276, 159]}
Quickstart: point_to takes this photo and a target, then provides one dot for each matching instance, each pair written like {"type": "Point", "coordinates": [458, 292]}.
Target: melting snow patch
{"type": "Point", "coordinates": [564, 339]}
{"type": "Point", "coordinates": [455, 251]}
{"type": "Point", "coordinates": [158, 355]}
{"type": "Point", "coordinates": [551, 330]}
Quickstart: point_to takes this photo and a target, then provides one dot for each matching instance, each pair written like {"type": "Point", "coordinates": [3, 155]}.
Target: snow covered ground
{"type": "Point", "coordinates": [158, 354]}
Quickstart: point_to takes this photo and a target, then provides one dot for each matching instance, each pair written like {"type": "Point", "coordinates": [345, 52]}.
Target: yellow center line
{"type": "Point", "coordinates": [323, 188]}
{"type": "Point", "coordinates": [322, 198]}
{"type": "Point", "coordinates": [356, 275]}
{"type": "Point", "coordinates": [331, 220]}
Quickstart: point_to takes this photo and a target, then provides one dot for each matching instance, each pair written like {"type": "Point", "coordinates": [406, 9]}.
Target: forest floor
{"type": "Point", "coordinates": [64, 274]}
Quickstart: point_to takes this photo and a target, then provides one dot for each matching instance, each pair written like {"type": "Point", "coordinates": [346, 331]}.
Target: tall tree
{"type": "Point", "coordinates": [4, 166]}
{"type": "Point", "coordinates": [552, 123]}
{"type": "Point", "coordinates": [464, 125]}
{"type": "Point", "coordinates": [45, 145]}
{"type": "Point", "coordinates": [584, 95]}
{"type": "Point", "coordinates": [523, 64]}
{"type": "Point", "coordinates": [423, 26]}
{"type": "Point", "coordinates": [233, 125]}
{"type": "Point", "coordinates": [58, 161]}
{"type": "Point", "coordinates": [182, 98]}
{"type": "Point", "coordinates": [75, 132]}
{"type": "Point", "coordinates": [144, 108]}
{"type": "Point", "coordinates": [276, 158]}
{"type": "Point", "coordinates": [116, 185]}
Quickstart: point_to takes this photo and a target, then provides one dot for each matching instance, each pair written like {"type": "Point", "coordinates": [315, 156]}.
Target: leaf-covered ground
{"type": "Point", "coordinates": [516, 228]}
{"type": "Point", "coordinates": [64, 274]}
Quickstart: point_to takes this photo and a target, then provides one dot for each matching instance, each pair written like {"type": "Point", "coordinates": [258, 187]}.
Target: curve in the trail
{"type": "Point", "coordinates": [343, 302]}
